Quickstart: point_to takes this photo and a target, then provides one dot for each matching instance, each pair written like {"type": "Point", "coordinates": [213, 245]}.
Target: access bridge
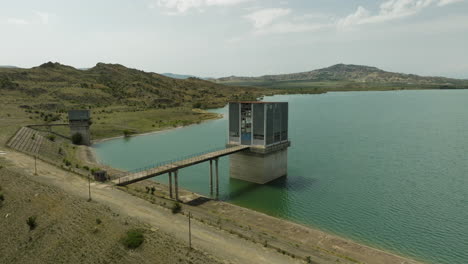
{"type": "Point", "coordinates": [172, 167]}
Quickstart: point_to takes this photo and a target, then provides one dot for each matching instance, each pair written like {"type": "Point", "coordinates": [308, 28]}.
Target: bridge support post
{"type": "Point", "coordinates": [176, 185]}
{"type": "Point", "coordinates": [170, 184]}
{"type": "Point", "coordinates": [217, 178]}
{"type": "Point", "coordinates": [211, 177]}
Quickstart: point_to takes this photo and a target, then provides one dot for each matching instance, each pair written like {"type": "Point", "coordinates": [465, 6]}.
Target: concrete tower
{"type": "Point", "coordinates": [80, 121]}
{"type": "Point", "coordinates": [264, 127]}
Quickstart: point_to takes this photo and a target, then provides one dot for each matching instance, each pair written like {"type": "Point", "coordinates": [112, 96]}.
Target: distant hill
{"type": "Point", "coordinates": [178, 76]}
{"type": "Point", "coordinates": [114, 84]}
{"type": "Point", "coordinates": [346, 75]}
{"type": "Point", "coordinates": [183, 76]}
{"type": "Point", "coordinates": [8, 66]}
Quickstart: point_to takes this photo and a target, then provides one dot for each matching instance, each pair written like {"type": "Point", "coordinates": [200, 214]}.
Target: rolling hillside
{"type": "Point", "coordinates": [113, 84]}
{"type": "Point", "coordinates": [347, 77]}
{"type": "Point", "coordinates": [122, 100]}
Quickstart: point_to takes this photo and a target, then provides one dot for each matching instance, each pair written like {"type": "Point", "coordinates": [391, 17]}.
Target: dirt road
{"type": "Point", "coordinates": [219, 243]}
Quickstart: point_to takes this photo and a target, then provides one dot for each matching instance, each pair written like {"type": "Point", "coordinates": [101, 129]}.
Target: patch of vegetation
{"type": "Point", "coordinates": [128, 133]}
{"type": "Point", "coordinates": [67, 162]}
{"type": "Point", "coordinates": [98, 221]}
{"type": "Point", "coordinates": [133, 239]}
{"type": "Point", "coordinates": [51, 137]}
{"type": "Point", "coordinates": [176, 208]}
{"type": "Point", "coordinates": [31, 222]}
{"type": "Point", "coordinates": [77, 139]}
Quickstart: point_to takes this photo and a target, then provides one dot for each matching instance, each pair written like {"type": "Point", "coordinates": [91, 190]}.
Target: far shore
{"type": "Point", "coordinates": [97, 141]}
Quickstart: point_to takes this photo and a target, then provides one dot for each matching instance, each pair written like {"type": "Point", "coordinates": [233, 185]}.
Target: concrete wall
{"type": "Point", "coordinates": [83, 129]}
{"type": "Point", "coordinates": [259, 168]}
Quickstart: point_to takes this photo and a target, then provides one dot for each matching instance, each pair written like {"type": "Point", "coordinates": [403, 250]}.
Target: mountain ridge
{"type": "Point", "coordinates": [347, 72]}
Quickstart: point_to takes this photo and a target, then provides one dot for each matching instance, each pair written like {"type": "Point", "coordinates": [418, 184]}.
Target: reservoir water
{"type": "Point", "coordinates": [387, 169]}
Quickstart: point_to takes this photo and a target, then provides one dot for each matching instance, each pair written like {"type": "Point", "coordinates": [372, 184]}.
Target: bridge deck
{"type": "Point", "coordinates": [146, 174]}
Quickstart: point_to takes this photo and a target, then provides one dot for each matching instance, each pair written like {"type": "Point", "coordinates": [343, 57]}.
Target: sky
{"type": "Point", "coordinates": [216, 38]}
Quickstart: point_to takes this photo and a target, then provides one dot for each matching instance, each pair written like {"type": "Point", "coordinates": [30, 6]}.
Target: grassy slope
{"type": "Point", "coordinates": [67, 230]}
{"type": "Point", "coordinates": [120, 98]}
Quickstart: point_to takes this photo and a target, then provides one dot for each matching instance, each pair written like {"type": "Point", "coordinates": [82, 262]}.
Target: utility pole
{"type": "Point", "coordinates": [190, 230]}
{"type": "Point", "coordinates": [35, 164]}
{"type": "Point", "coordinates": [89, 187]}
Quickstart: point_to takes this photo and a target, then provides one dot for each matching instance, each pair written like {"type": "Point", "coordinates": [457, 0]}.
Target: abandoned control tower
{"type": "Point", "coordinates": [264, 127]}
{"type": "Point", "coordinates": [80, 121]}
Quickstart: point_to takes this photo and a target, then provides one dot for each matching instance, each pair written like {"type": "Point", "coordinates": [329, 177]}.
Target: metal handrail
{"type": "Point", "coordinates": [190, 157]}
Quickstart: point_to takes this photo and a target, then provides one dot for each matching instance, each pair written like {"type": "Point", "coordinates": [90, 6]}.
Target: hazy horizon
{"type": "Point", "coordinates": [219, 38]}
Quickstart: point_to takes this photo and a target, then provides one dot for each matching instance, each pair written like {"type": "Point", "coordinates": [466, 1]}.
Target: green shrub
{"type": "Point", "coordinates": [77, 139]}
{"type": "Point", "coordinates": [98, 221]}
{"type": "Point", "coordinates": [152, 190]}
{"type": "Point", "coordinates": [51, 137]}
{"type": "Point", "coordinates": [176, 208]}
{"type": "Point", "coordinates": [67, 162]}
{"type": "Point", "coordinates": [2, 197]}
{"type": "Point", "coordinates": [86, 168]}
{"type": "Point", "coordinates": [133, 239]}
{"type": "Point", "coordinates": [31, 222]}
{"type": "Point", "coordinates": [128, 133]}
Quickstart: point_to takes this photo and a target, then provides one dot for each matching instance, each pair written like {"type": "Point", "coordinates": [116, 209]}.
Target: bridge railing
{"type": "Point", "coordinates": [188, 158]}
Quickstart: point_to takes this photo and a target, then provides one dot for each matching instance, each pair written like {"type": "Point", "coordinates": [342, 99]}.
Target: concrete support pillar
{"type": "Point", "coordinates": [176, 185]}
{"type": "Point", "coordinates": [170, 184]}
{"type": "Point", "coordinates": [217, 179]}
{"type": "Point", "coordinates": [211, 177]}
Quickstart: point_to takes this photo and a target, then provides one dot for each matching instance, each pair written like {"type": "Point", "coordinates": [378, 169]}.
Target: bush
{"type": "Point", "coordinates": [197, 105]}
{"type": "Point", "coordinates": [128, 133]}
{"type": "Point", "coordinates": [133, 239]}
{"type": "Point", "coordinates": [86, 168]}
{"type": "Point", "coordinates": [2, 197]}
{"type": "Point", "coordinates": [67, 162]}
{"type": "Point", "coordinates": [77, 139]}
{"type": "Point", "coordinates": [31, 222]}
{"type": "Point", "coordinates": [51, 137]}
{"type": "Point", "coordinates": [98, 221]}
{"type": "Point", "coordinates": [152, 190]}
{"type": "Point", "coordinates": [176, 208]}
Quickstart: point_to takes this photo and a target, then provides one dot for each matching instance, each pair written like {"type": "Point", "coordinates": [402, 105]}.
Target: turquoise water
{"type": "Point", "coordinates": [388, 169]}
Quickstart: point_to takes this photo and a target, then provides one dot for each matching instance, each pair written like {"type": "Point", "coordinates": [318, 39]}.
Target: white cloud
{"type": "Point", "coordinates": [43, 17]}
{"type": "Point", "coordinates": [17, 21]}
{"type": "Point", "coordinates": [281, 20]}
{"type": "Point", "coordinates": [390, 10]}
{"type": "Point", "coordinates": [448, 2]}
{"type": "Point", "coordinates": [182, 6]}
{"type": "Point", "coordinates": [265, 17]}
